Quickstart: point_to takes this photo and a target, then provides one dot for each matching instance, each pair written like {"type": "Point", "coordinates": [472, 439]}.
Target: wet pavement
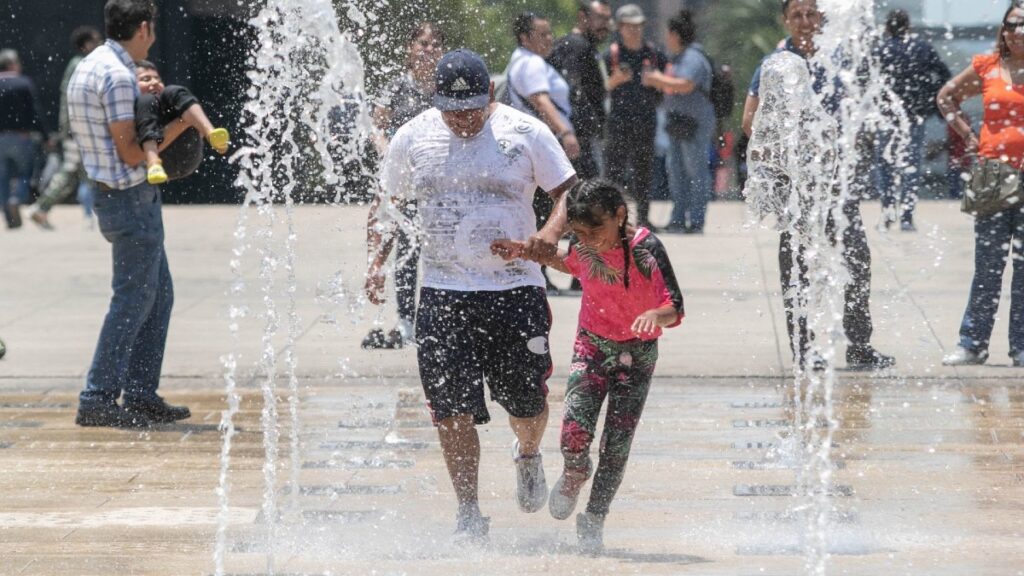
{"type": "Point", "coordinates": [928, 477]}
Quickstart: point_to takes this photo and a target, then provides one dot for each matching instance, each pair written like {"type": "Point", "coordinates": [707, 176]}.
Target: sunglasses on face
{"type": "Point", "coordinates": [1014, 26]}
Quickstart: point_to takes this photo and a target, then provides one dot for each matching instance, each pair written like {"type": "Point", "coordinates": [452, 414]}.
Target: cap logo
{"type": "Point", "coordinates": [460, 85]}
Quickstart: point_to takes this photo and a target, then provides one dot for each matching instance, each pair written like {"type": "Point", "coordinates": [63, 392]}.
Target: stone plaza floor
{"type": "Point", "coordinates": [928, 459]}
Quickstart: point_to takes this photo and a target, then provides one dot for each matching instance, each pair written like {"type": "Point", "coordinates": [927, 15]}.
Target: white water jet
{"type": "Point", "coordinates": [806, 162]}
{"type": "Point", "coordinates": [303, 71]}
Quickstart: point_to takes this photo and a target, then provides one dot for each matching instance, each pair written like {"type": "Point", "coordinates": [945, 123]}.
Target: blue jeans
{"type": "Point", "coordinates": [994, 236]}
{"type": "Point", "coordinates": [87, 196]}
{"type": "Point", "coordinates": [907, 171]}
{"type": "Point", "coordinates": [689, 178]}
{"type": "Point", "coordinates": [130, 351]}
{"type": "Point", "coordinates": [16, 156]}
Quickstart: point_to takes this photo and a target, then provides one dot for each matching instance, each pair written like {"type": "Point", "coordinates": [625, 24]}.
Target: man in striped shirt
{"type": "Point", "coordinates": [101, 110]}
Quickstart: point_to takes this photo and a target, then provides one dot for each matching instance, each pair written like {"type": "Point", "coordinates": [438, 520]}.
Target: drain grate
{"type": "Point", "coordinates": [789, 517]}
{"type": "Point", "coordinates": [358, 464]}
{"type": "Point", "coordinates": [761, 423]}
{"type": "Point", "coordinates": [351, 489]}
{"type": "Point", "coordinates": [761, 465]}
{"type": "Point", "coordinates": [370, 423]}
{"type": "Point", "coordinates": [760, 405]}
{"type": "Point", "coordinates": [340, 516]}
{"type": "Point", "coordinates": [783, 490]}
{"type": "Point", "coordinates": [373, 445]}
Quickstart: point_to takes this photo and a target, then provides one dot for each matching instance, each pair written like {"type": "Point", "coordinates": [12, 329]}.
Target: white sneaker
{"type": "Point", "coordinates": [590, 533]}
{"type": "Point", "coordinates": [531, 487]}
{"type": "Point", "coordinates": [964, 357]}
{"type": "Point", "coordinates": [567, 491]}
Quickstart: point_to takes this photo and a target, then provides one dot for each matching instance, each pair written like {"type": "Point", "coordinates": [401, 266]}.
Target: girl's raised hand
{"type": "Point", "coordinates": [507, 249]}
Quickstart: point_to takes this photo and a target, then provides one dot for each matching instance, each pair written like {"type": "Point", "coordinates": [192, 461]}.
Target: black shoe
{"type": "Point", "coordinates": [867, 358]}
{"type": "Point", "coordinates": [110, 415]}
{"type": "Point", "coordinates": [12, 213]}
{"type": "Point", "coordinates": [378, 340]}
{"type": "Point", "coordinates": [158, 411]}
{"type": "Point", "coordinates": [675, 229]}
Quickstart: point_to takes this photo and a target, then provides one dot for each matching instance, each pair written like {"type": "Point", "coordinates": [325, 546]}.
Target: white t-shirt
{"type": "Point", "coordinates": [529, 74]}
{"type": "Point", "coordinates": [471, 191]}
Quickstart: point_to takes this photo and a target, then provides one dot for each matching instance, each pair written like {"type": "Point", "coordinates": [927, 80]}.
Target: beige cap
{"type": "Point", "coordinates": [630, 14]}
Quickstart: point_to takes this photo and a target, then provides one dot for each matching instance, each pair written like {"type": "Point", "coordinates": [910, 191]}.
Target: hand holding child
{"type": "Point", "coordinates": [535, 249]}
{"type": "Point", "coordinates": [507, 249]}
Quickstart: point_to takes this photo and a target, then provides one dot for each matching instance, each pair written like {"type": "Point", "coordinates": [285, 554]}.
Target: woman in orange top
{"type": "Point", "coordinates": [999, 79]}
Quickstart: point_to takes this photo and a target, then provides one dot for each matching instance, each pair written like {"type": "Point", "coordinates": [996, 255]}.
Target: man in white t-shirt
{"type": "Point", "coordinates": [472, 165]}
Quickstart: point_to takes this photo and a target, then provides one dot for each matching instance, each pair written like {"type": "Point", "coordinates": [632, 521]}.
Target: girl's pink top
{"type": "Point", "coordinates": [609, 308]}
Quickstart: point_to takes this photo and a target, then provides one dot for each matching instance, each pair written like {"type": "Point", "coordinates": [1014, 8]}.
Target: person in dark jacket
{"type": "Point", "coordinates": [915, 72]}
{"type": "Point", "coordinates": [19, 125]}
{"type": "Point", "coordinates": [576, 58]}
{"type": "Point", "coordinates": [633, 116]}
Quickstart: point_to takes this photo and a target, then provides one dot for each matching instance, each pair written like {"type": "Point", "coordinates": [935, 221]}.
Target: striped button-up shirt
{"type": "Point", "coordinates": [103, 90]}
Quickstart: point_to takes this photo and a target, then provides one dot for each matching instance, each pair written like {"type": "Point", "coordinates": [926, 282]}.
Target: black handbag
{"type": "Point", "coordinates": [680, 126]}
{"type": "Point", "coordinates": [994, 187]}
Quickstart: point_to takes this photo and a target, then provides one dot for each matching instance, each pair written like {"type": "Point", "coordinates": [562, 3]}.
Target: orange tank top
{"type": "Point", "coordinates": [1002, 130]}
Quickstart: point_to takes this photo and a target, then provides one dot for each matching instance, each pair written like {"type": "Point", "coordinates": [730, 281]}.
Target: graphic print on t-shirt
{"type": "Point", "coordinates": [471, 191]}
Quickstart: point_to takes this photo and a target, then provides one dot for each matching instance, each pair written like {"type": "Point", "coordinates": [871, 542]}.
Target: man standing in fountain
{"type": "Point", "coordinates": [803, 21]}
{"type": "Point", "coordinates": [101, 110]}
{"type": "Point", "coordinates": [472, 165]}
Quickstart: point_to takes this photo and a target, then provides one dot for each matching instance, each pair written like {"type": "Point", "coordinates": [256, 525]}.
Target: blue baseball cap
{"type": "Point", "coordinates": [463, 82]}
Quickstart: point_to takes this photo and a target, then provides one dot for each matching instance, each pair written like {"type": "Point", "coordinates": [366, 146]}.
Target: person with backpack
{"type": "Point", "coordinates": [576, 58]}
{"type": "Point", "coordinates": [632, 118]}
{"type": "Point", "coordinates": [690, 123]}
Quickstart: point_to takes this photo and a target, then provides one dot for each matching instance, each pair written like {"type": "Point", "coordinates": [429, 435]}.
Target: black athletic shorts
{"type": "Point", "coordinates": [467, 339]}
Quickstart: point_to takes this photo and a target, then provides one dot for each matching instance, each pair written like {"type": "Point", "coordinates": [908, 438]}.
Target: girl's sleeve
{"type": "Point", "coordinates": [665, 278]}
{"type": "Point", "coordinates": [572, 259]}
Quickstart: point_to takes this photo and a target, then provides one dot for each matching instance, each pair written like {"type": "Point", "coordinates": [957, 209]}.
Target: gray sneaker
{"type": "Point", "coordinates": [1018, 360]}
{"type": "Point", "coordinates": [567, 491]}
{"type": "Point", "coordinates": [531, 487]}
{"type": "Point", "coordinates": [471, 529]}
{"type": "Point", "coordinates": [590, 533]}
{"type": "Point", "coordinates": [964, 357]}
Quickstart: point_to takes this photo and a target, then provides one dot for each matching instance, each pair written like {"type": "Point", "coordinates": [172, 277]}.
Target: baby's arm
{"type": "Point", "coordinates": [550, 255]}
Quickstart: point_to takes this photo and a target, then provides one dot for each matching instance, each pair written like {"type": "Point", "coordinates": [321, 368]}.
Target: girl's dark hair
{"type": "Point", "coordinates": [523, 24]}
{"type": "Point", "coordinates": [589, 202]}
{"type": "Point", "coordinates": [421, 28]}
{"type": "Point", "coordinates": [682, 25]}
{"type": "Point", "coordinates": [123, 17]}
{"type": "Point", "coordinates": [146, 65]}
{"type": "Point", "coordinates": [1004, 49]}
{"type": "Point", "coordinates": [83, 34]}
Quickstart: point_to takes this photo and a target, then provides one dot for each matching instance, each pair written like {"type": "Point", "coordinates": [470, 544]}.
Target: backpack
{"type": "Point", "coordinates": [723, 88]}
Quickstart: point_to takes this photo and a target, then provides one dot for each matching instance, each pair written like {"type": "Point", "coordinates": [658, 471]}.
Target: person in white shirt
{"type": "Point", "coordinates": [472, 166]}
{"type": "Point", "coordinates": [536, 87]}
